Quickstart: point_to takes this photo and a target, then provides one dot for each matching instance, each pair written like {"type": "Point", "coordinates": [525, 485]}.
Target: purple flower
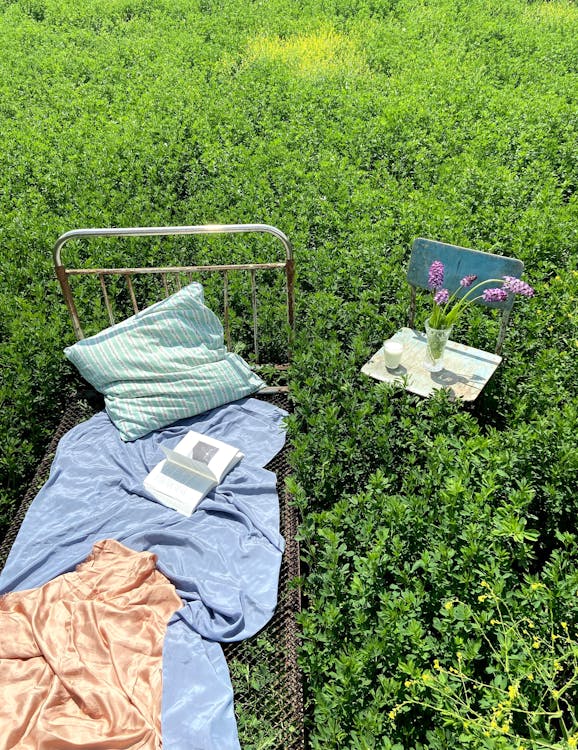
{"type": "Point", "coordinates": [468, 280]}
{"type": "Point", "coordinates": [517, 286]}
{"type": "Point", "coordinates": [441, 297]}
{"type": "Point", "coordinates": [496, 294]}
{"type": "Point", "coordinates": [435, 277]}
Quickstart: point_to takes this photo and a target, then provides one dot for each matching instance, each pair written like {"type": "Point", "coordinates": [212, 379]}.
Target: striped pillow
{"type": "Point", "coordinates": [163, 364]}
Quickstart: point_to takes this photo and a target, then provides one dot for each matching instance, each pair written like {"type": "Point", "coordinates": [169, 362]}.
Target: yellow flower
{"type": "Point", "coordinates": [482, 597]}
{"type": "Point", "coordinates": [534, 586]}
{"type": "Point", "coordinates": [494, 622]}
{"type": "Point", "coordinates": [573, 741]}
{"type": "Point", "coordinates": [512, 691]}
{"type": "Point", "coordinates": [505, 728]}
{"type": "Point", "coordinates": [449, 605]}
{"type": "Point", "coordinates": [564, 625]}
{"type": "Point", "coordinates": [536, 643]}
{"type": "Point", "coordinates": [437, 664]}
{"type": "Point", "coordinates": [408, 683]}
{"type": "Point", "coordinates": [530, 676]}
{"type": "Point", "coordinates": [459, 655]}
{"type": "Point", "coordinates": [392, 714]}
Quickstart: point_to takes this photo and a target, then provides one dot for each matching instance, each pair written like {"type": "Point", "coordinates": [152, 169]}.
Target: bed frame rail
{"type": "Point", "coordinates": [172, 276]}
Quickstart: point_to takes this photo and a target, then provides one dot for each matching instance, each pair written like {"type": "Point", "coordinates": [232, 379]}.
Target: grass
{"type": "Point", "coordinates": [354, 126]}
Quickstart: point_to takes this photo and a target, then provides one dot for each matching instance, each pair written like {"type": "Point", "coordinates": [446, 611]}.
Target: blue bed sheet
{"type": "Point", "coordinates": [224, 560]}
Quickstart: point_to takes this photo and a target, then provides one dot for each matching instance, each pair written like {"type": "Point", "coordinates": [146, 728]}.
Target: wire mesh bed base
{"type": "Point", "coordinates": [264, 672]}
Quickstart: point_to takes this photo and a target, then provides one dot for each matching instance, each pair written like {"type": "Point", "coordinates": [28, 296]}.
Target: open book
{"type": "Point", "coordinates": [196, 465]}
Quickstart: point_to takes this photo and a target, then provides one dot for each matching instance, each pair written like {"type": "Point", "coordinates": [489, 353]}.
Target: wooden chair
{"type": "Point", "coordinates": [459, 262]}
{"type": "Point", "coordinates": [466, 369]}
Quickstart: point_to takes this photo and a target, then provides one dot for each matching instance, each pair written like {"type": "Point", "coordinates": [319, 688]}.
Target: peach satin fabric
{"type": "Point", "coordinates": [81, 656]}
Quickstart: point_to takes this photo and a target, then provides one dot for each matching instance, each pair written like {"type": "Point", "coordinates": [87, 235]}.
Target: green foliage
{"type": "Point", "coordinates": [514, 684]}
{"type": "Point", "coordinates": [354, 126]}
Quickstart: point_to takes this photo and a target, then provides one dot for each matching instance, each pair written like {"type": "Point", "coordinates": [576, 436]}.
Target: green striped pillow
{"type": "Point", "coordinates": [163, 364]}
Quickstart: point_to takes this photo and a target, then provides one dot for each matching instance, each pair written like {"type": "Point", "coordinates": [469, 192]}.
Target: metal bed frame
{"type": "Point", "coordinates": [273, 697]}
{"type": "Point", "coordinates": [63, 273]}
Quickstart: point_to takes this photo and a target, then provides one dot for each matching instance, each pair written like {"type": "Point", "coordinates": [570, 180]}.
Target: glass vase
{"type": "Point", "coordinates": [437, 338]}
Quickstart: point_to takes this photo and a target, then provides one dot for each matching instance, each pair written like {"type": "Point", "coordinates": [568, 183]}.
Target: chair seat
{"type": "Point", "coordinates": [466, 369]}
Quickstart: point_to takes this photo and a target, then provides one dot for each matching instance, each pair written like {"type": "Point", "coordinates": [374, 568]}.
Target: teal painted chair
{"type": "Point", "coordinates": [460, 262]}
{"type": "Point", "coordinates": [466, 369]}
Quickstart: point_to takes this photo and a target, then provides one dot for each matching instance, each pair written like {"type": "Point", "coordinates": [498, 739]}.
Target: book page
{"type": "Point", "coordinates": [206, 455]}
{"type": "Point", "coordinates": [197, 462]}
{"type": "Point", "coordinates": [178, 487]}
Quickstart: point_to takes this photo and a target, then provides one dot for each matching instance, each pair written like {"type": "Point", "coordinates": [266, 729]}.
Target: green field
{"type": "Point", "coordinates": [440, 540]}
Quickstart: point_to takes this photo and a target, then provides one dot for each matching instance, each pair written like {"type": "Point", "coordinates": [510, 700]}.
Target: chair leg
{"type": "Point", "coordinates": [411, 314]}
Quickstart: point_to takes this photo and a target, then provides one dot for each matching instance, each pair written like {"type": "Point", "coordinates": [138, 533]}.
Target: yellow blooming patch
{"type": "Point", "coordinates": [562, 12]}
{"type": "Point", "coordinates": [322, 51]}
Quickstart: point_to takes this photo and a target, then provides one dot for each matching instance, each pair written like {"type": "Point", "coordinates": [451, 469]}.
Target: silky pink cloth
{"type": "Point", "coordinates": [81, 656]}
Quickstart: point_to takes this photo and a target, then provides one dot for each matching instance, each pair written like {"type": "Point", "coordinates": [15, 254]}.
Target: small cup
{"type": "Point", "coordinates": [392, 351]}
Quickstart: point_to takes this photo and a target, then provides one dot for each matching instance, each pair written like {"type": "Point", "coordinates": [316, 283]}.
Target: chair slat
{"type": "Point", "coordinates": [460, 262]}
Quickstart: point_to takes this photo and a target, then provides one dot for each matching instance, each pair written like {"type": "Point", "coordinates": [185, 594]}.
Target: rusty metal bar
{"type": "Point", "coordinates": [290, 278]}
{"type": "Point", "coordinates": [62, 277]}
{"type": "Point", "coordinates": [106, 299]}
{"type": "Point", "coordinates": [166, 231]}
{"type": "Point", "coordinates": [175, 269]}
{"type": "Point", "coordinates": [165, 284]}
{"type": "Point", "coordinates": [131, 292]}
{"type": "Point", "coordinates": [226, 309]}
{"type": "Point", "coordinates": [254, 307]}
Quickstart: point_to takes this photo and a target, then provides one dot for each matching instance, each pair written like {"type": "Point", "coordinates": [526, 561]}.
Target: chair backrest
{"type": "Point", "coordinates": [459, 262]}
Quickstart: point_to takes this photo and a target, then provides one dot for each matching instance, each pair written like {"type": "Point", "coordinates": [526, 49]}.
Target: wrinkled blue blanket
{"type": "Point", "coordinates": [224, 560]}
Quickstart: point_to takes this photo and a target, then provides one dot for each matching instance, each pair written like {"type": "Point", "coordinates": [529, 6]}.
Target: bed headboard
{"type": "Point", "coordinates": [171, 278]}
